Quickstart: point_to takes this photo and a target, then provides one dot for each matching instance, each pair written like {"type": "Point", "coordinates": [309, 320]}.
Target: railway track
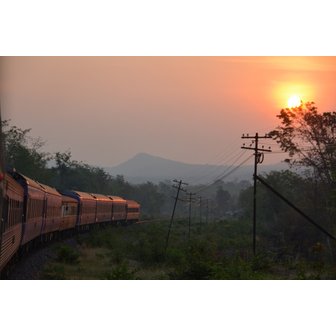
{"type": "Point", "coordinates": [30, 265]}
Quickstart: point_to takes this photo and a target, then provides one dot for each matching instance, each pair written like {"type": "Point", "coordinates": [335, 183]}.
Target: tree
{"type": "Point", "coordinates": [223, 199]}
{"type": "Point", "coordinates": [23, 152]}
{"type": "Point", "coordinates": [72, 174]}
{"type": "Point", "coordinates": [309, 137]}
{"type": "Point", "coordinates": [280, 228]}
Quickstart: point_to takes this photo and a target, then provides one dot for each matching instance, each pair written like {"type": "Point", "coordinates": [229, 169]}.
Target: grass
{"type": "Point", "coordinates": [137, 252]}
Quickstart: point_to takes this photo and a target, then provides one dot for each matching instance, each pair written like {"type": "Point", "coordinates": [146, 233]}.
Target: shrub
{"type": "Point", "coordinates": [120, 272]}
{"type": "Point", "coordinates": [67, 255]}
{"type": "Point", "coordinates": [54, 272]}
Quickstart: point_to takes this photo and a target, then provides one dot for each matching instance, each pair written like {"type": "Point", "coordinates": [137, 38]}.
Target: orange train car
{"type": "Point", "coordinates": [104, 208]}
{"type": "Point", "coordinates": [69, 213]}
{"type": "Point", "coordinates": [51, 212]}
{"type": "Point", "coordinates": [119, 212]}
{"type": "Point", "coordinates": [34, 199]}
{"type": "Point", "coordinates": [87, 204]}
{"type": "Point", "coordinates": [12, 219]}
{"type": "Point", "coordinates": [133, 211]}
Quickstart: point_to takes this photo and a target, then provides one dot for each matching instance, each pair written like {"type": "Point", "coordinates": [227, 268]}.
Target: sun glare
{"type": "Point", "coordinates": [289, 94]}
{"type": "Point", "coordinates": [294, 101]}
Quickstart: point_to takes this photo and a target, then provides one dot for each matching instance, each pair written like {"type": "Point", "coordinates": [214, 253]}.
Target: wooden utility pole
{"type": "Point", "coordinates": [200, 208]}
{"type": "Point", "coordinates": [258, 158]}
{"type": "Point", "coordinates": [179, 188]}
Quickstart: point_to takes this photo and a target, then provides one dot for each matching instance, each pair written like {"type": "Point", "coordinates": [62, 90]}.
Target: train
{"type": "Point", "coordinates": [35, 213]}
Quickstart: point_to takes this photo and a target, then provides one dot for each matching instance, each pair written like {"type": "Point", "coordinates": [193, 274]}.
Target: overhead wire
{"type": "Point", "coordinates": [236, 155]}
{"type": "Point", "coordinates": [225, 174]}
{"type": "Point", "coordinates": [219, 160]}
{"type": "Point", "coordinates": [232, 164]}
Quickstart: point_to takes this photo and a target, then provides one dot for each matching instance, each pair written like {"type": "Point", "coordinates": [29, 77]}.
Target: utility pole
{"type": "Point", "coordinates": [179, 188]}
{"type": "Point", "coordinates": [191, 199]}
{"type": "Point", "coordinates": [258, 158]}
{"type": "Point", "coordinates": [200, 208]}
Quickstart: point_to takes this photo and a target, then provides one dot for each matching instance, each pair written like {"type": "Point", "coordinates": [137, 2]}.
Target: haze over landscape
{"type": "Point", "coordinates": [144, 167]}
{"type": "Point", "coordinates": [189, 109]}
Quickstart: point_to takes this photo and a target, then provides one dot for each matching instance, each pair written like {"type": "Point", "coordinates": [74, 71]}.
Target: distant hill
{"type": "Point", "coordinates": [145, 167]}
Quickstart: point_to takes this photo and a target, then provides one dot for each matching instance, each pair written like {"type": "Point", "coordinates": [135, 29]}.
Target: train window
{"type": "Point", "coordinates": [12, 212]}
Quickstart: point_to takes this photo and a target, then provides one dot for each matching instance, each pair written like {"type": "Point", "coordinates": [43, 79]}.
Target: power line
{"type": "Point", "coordinates": [223, 176]}
{"type": "Point", "coordinates": [296, 208]}
{"type": "Point", "coordinates": [236, 158]}
{"type": "Point", "coordinates": [208, 171]}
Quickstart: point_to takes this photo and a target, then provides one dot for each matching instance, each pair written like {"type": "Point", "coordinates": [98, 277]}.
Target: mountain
{"type": "Point", "coordinates": [145, 167]}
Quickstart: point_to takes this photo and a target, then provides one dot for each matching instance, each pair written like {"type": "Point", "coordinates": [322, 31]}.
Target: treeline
{"type": "Point", "coordinates": [61, 171]}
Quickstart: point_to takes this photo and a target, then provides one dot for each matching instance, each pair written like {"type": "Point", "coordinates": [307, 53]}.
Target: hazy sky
{"type": "Point", "coordinates": [107, 109]}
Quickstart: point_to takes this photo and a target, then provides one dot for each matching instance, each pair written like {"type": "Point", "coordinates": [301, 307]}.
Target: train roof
{"type": "Point", "coordinates": [12, 184]}
{"type": "Point", "coordinates": [78, 194]}
{"type": "Point", "coordinates": [25, 180]}
{"type": "Point", "coordinates": [117, 199]}
{"type": "Point", "coordinates": [101, 197]}
{"type": "Point", "coordinates": [50, 190]}
{"type": "Point", "coordinates": [132, 203]}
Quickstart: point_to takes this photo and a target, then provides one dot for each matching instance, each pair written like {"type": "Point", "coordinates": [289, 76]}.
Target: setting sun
{"type": "Point", "coordinates": [294, 101]}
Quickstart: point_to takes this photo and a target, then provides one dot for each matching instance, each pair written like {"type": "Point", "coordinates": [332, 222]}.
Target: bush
{"type": "Point", "coordinates": [54, 272]}
{"type": "Point", "coordinates": [120, 272]}
{"type": "Point", "coordinates": [67, 255]}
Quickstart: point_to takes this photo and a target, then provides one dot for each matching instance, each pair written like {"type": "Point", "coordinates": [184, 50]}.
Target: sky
{"type": "Point", "coordinates": [223, 98]}
{"type": "Point", "coordinates": [105, 110]}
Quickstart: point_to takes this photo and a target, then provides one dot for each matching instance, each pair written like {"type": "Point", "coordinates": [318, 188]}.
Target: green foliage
{"type": "Point", "coordinates": [23, 152]}
{"type": "Point", "coordinates": [309, 137]}
{"type": "Point", "coordinates": [67, 254]}
{"type": "Point", "coordinates": [223, 201]}
{"type": "Point", "coordinates": [280, 228]}
{"type": "Point", "coordinates": [54, 272]}
{"type": "Point", "coordinates": [197, 263]}
{"type": "Point", "coordinates": [218, 251]}
{"type": "Point", "coordinates": [120, 272]}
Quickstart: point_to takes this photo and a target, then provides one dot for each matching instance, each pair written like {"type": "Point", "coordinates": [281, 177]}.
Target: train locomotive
{"type": "Point", "coordinates": [34, 212]}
